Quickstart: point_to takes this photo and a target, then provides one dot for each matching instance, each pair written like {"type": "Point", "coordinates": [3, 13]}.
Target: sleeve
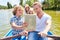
{"type": "Point", "coordinates": [49, 20]}
{"type": "Point", "coordinates": [23, 19]}
{"type": "Point", "coordinates": [12, 20]}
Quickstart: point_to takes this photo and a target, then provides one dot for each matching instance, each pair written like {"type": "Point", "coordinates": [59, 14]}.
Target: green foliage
{"type": "Point", "coordinates": [3, 7]}
{"type": "Point", "coordinates": [21, 2]}
{"type": "Point", "coordinates": [29, 3]}
{"type": "Point", "coordinates": [51, 4]}
{"type": "Point", "coordinates": [9, 5]}
{"type": "Point", "coordinates": [35, 0]}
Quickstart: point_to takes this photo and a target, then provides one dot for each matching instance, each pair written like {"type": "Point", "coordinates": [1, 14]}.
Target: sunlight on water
{"type": "Point", "coordinates": [55, 21]}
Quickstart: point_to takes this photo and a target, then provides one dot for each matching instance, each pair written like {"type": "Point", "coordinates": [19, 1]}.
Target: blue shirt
{"type": "Point", "coordinates": [18, 21]}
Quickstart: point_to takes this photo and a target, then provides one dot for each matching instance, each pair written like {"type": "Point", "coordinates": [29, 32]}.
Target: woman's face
{"type": "Point", "coordinates": [19, 12]}
{"type": "Point", "coordinates": [27, 8]}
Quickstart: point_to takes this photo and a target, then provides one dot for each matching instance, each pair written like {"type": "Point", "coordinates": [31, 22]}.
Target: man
{"type": "Point", "coordinates": [43, 24]}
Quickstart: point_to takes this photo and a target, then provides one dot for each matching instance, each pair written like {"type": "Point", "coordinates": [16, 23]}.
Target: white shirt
{"type": "Point", "coordinates": [41, 23]}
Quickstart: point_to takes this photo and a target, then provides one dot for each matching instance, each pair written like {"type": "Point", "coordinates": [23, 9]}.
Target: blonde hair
{"type": "Point", "coordinates": [26, 5]}
{"type": "Point", "coordinates": [15, 9]}
{"type": "Point", "coordinates": [37, 3]}
{"type": "Point", "coordinates": [31, 9]}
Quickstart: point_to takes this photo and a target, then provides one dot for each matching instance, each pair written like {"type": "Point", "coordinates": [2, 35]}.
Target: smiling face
{"type": "Point", "coordinates": [37, 7]}
{"type": "Point", "coordinates": [31, 11]}
{"type": "Point", "coordinates": [19, 12]}
{"type": "Point", "coordinates": [27, 7]}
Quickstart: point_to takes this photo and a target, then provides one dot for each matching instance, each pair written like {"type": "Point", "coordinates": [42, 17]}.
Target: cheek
{"type": "Point", "coordinates": [36, 10]}
{"type": "Point", "coordinates": [27, 9]}
{"type": "Point", "coordinates": [17, 12]}
{"type": "Point", "coordinates": [21, 12]}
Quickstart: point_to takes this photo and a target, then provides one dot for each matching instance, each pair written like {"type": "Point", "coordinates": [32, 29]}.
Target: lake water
{"type": "Point", "coordinates": [55, 21]}
{"type": "Point", "coordinates": [5, 16]}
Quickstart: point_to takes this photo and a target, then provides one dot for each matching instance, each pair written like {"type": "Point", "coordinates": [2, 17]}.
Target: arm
{"type": "Point", "coordinates": [47, 28]}
{"type": "Point", "coordinates": [48, 25]}
{"type": "Point", "coordinates": [18, 27]}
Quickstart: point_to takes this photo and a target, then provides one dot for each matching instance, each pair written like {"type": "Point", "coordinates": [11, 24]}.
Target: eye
{"type": "Point", "coordinates": [36, 8]}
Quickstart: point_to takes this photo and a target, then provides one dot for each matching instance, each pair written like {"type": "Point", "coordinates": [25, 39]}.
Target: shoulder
{"type": "Point", "coordinates": [13, 18]}
{"type": "Point", "coordinates": [22, 18]}
{"type": "Point", "coordinates": [47, 16]}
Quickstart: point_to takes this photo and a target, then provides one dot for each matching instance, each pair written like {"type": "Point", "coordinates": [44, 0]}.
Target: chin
{"type": "Point", "coordinates": [20, 14]}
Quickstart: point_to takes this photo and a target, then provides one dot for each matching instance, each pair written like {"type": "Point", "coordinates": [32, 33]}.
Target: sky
{"type": "Point", "coordinates": [13, 2]}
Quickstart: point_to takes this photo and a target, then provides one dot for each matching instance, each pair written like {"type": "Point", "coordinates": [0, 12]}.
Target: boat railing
{"type": "Point", "coordinates": [10, 37]}
{"type": "Point", "coordinates": [54, 37]}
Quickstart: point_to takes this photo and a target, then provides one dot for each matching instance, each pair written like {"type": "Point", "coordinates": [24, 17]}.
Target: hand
{"type": "Point", "coordinates": [25, 24]}
{"type": "Point", "coordinates": [24, 33]}
{"type": "Point", "coordinates": [43, 34]}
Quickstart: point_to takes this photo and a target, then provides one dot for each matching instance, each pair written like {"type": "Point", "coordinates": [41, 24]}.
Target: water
{"type": "Point", "coordinates": [5, 16]}
{"type": "Point", "coordinates": [55, 21]}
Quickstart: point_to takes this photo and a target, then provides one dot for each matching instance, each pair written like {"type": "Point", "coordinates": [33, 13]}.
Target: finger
{"type": "Point", "coordinates": [38, 33]}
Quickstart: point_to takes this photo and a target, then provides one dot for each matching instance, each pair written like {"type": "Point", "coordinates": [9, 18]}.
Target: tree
{"type": "Point", "coordinates": [9, 5]}
{"type": "Point", "coordinates": [35, 0]}
{"type": "Point", "coordinates": [21, 2]}
{"type": "Point", "coordinates": [29, 2]}
{"type": "Point", "coordinates": [51, 4]}
{"type": "Point", "coordinates": [45, 4]}
{"type": "Point", "coordinates": [3, 7]}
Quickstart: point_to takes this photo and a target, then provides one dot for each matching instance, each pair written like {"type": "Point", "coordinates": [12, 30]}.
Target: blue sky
{"type": "Point", "coordinates": [13, 2]}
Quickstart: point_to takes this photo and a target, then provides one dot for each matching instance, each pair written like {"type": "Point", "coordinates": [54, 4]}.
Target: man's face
{"type": "Point", "coordinates": [37, 9]}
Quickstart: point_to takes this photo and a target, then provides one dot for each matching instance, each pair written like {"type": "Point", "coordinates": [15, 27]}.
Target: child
{"type": "Point", "coordinates": [17, 21]}
{"type": "Point", "coordinates": [31, 11]}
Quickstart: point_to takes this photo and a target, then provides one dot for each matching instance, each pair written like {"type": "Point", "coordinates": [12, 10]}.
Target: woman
{"type": "Point", "coordinates": [27, 8]}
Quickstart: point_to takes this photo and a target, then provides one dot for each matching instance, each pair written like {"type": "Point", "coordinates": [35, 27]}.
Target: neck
{"type": "Point", "coordinates": [40, 14]}
{"type": "Point", "coordinates": [17, 16]}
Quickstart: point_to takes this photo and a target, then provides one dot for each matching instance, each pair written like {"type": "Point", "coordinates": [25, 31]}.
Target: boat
{"type": "Point", "coordinates": [8, 36]}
